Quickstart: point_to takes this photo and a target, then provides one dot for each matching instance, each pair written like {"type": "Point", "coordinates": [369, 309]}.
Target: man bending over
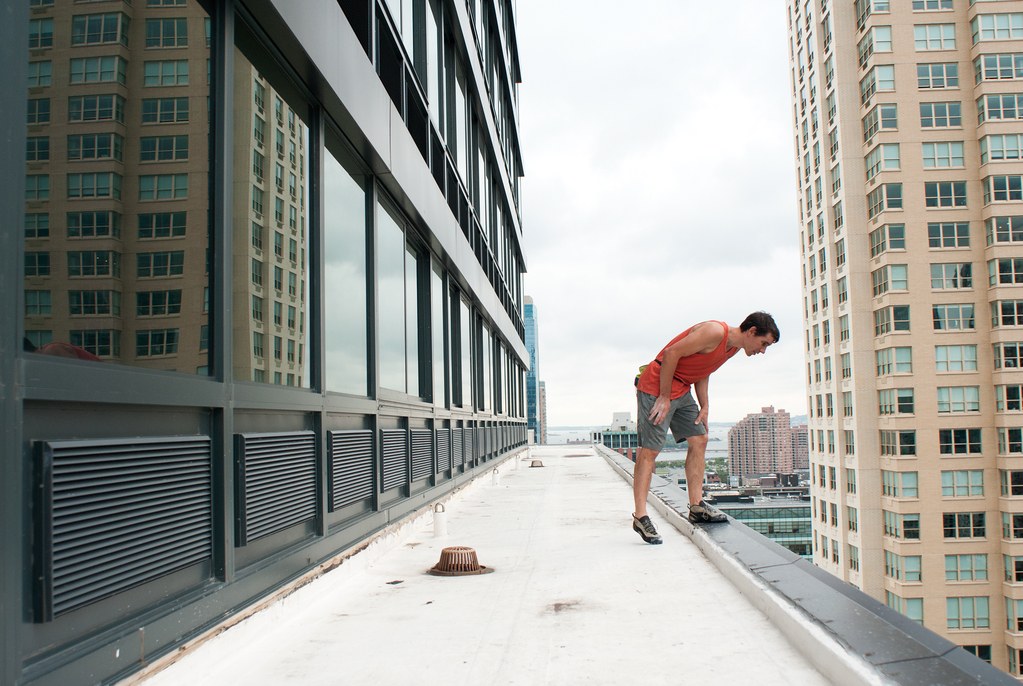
{"type": "Point", "coordinates": [687, 361]}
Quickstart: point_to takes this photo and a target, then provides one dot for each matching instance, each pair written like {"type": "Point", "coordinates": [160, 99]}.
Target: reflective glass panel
{"type": "Point", "coordinates": [271, 236]}
{"type": "Point", "coordinates": [120, 275]}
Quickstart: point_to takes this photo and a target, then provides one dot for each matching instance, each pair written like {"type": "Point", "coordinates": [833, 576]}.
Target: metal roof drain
{"type": "Point", "coordinates": [459, 560]}
{"type": "Point", "coordinates": [536, 463]}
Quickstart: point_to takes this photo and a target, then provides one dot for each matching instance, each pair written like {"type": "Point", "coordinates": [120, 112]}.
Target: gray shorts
{"type": "Point", "coordinates": [681, 418]}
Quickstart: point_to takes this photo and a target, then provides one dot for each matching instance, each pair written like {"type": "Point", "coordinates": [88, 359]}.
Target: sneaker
{"type": "Point", "coordinates": [646, 530]}
{"type": "Point", "coordinates": [703, 513]}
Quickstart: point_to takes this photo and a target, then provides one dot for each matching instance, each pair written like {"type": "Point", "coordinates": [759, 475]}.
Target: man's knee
{"type": "Point", "coordinates": [646, 454]}
{"type": "Point", "coordinates": [699, 441]}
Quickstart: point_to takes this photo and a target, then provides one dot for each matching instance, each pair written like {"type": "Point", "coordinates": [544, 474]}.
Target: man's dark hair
{"type": "Point", "coordinates": [763, 323]}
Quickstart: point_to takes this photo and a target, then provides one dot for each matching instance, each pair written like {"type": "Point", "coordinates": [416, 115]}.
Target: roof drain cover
{"type": "Point", "coordinates": [459, 561]}
{"type": "Point", "coordinates": [536, 463]}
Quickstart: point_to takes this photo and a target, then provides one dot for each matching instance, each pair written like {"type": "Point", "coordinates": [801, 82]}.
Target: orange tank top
{"type": "Point", "coordinates": [689, 370]}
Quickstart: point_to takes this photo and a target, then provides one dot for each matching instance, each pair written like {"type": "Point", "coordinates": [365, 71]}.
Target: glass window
{"type": "Point", "coordinates": [1001, 26]}
{"type": "Point", "coordinates": [84, 108]}
{"type": "Point", "coordinates": [162, 290]}
{"type": "Point", "coordinates": [940, 115]}
{"type": "Point", "coordinates": [465, 351]}
{"type": "Point", "coordinates": [945, 194]}
{"type": "Point", "coordinates": [105, 69]}
{"type": "Point", "coordinates": [279, 350]}
{"type": "Point", "coordinates": [936, 76]}
{"type": "Point", "coordinates": [40, 74]}
{"type": "Point", "coordinates": [943, 154]}
{"type": "Point", "coordinates": [948, 234]}
{"type": "Point", "coordinates": [98, 29]}
{"type": "Point", "coordinates": [167, 32]}
{"type": "Point", "coordinates": [934, 37]}
{"type": "Point", "coordinates": [438, 367]}
{"type": "Point", "coordinates": [399, 330]}
{"type": "Point", "coordinates": [40, 33]}
{"type": "Point", "coordinates": [344, 205]}
{"type": "Point", "coordinates": [1000, 106]}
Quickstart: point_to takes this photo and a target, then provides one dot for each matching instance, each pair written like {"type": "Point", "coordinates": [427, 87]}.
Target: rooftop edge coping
{"type": "Point", "coordinates": [846, 634]}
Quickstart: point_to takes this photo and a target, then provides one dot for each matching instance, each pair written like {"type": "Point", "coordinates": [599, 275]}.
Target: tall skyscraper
{"type": "Point", "coordinates": [908, 138]}
{"type": "Point", "coordinates": [761, 443]}
{"type": "Point", "coordinates": [534, 415]}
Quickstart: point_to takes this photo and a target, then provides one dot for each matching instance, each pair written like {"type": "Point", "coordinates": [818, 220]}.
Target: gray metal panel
{"type": "Point", "coordinates": [276, 482]}
{"type": "Point", "coordinates": [443, 450]}
{"type": "Point", "coordinates": [13, 510]}
{"type": "Point", "coordinates": [119, 513]}
{"type": "Point", "coordinates": [394, 454]}
{"type": "Point", "coordinates": [422, 453]}
{"type": "Point", "coordinates": [222, 19]}
{"type": "Point", "coordinates": [468, 443]}
{"type": "Point", "coordinates": [457, 449]}
{"type": "Point", "coordinates": [351, 467]}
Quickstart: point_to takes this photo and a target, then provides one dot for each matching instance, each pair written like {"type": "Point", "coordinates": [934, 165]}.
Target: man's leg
{"type": "Point", "coordinates": [641, 476]}
{"type": "Point", "coordinates": [695, 467]}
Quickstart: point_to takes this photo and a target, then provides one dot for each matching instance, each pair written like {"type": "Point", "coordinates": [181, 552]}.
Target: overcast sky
{"type": "Point", "coordinates": [659, 191]}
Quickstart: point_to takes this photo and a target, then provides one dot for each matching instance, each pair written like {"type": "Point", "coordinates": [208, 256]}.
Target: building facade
{"type": "Point", "coordinates": [907, 140]}
{"type": "Point", "coordinates": [621, 436]}
{"type": "Point", "coordinates": [788, 523]}
{"type": "Point", "coordinates": [761, 443]}
{"type": "Point", "coordinates": [800, 448]}
{"type": "Point", "coordinates": [263, 285]}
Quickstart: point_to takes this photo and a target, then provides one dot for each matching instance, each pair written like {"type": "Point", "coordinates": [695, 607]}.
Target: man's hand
{"type": "Point", "coordinates": [660, 409]}
{"type": "Point", "coordinates": [703, 418]}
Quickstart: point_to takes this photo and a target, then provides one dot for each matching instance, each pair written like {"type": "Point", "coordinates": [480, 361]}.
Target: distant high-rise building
{"type": "Point", "coordinates": [800, 448]}
{"type": "Point", "coordinates": [542, 416]}
{"type": "Point", "coordinates": [761, 443]}
{"type": "Point", "coordinates": [908, 139]}
{"type": "Point", "coordinates": [533, 414]}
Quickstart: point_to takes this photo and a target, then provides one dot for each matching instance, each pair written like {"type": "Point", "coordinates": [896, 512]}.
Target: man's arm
{"type": "Point", "coordinates": [702, 388]}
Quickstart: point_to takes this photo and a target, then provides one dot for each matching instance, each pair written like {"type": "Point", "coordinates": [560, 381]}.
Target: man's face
{"type": "Point", "coordinates": [756, 344]}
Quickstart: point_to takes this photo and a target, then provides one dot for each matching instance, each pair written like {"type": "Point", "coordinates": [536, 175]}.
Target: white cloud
{"type": "Point", "coordinates": [659, 192]}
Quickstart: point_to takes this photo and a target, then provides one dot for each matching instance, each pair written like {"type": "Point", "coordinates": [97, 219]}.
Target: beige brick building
{"type": "Point", "coordinates": [761, 443]}
{"type": "Point", "coordinates": [908, 134]}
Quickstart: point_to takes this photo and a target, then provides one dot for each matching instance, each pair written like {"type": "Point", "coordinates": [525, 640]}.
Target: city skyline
{"type": "Point", "coordinates": [639, 146]}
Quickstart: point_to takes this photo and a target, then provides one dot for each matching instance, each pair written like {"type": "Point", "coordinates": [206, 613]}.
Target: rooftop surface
{"type": "Point", "coordinates": [575, 597]}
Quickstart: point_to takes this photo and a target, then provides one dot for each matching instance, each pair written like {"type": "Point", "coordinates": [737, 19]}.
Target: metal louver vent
{"type": "Point", "coordinates": [395, 453]}
{"type": "Point", "coordinates": [422, 453]}
{"type": "Point", "coordinates": [467, 444]}
{"type": "Point", "coordinates": [351, 467]}
{"type": "Point", "coordinates": [116, 513]}
{"type": "Point", "coordinates": [276, 479]}
{"type": "Point", "coordinates": [457, 452]}
{"type": "Point", "coordinates": [443, 450]}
